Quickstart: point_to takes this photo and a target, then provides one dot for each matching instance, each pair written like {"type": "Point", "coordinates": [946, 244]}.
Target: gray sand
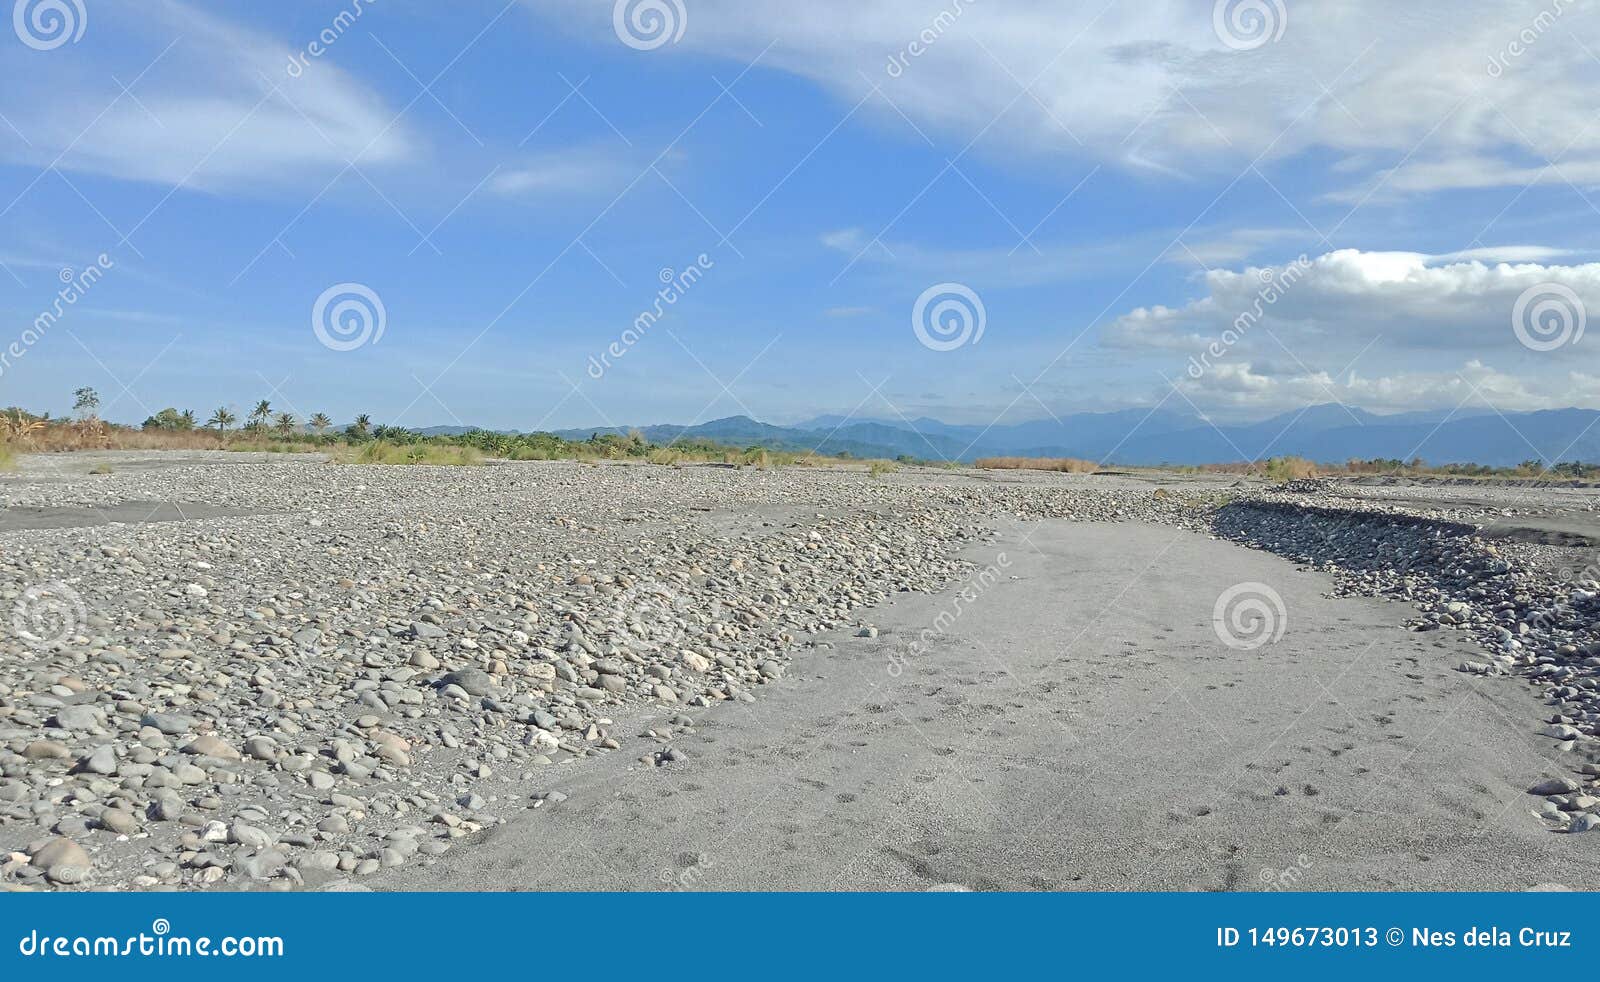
{"type": "Point", "coordinates": [1078, 727]}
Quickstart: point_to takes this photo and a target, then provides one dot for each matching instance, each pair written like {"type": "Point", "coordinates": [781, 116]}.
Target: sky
{"type": "Point", "coordinates": [539, 214]}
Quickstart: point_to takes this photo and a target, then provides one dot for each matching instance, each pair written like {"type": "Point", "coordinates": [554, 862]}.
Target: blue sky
{"type": "Point", "coordinates": [1115, 184]}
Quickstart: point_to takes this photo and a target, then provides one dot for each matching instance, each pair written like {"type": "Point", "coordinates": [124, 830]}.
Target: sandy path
{"type": "Point", "coordinates": [1079, 727]}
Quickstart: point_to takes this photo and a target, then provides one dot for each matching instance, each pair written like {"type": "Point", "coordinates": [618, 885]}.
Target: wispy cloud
{"type": "Point", "coordinates": [209, 105]}
{"type": "Point", "coordinates": [1154, 87]}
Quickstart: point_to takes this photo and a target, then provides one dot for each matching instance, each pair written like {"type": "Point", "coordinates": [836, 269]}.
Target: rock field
{"type": "Point", "coordinates": [381, 662]}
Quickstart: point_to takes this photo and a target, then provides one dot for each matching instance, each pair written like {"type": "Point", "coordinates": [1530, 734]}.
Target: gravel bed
{"type": "Point", "coordinates": [386, 661]}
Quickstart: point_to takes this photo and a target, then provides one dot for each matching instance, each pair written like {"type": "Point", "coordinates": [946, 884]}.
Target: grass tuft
{"type": "Point", "coordinates": [434, 454]}
{"type": "Point", "coordinates": [1064, 465]}
{"type": "Point", "coordinates": [1285, 469]}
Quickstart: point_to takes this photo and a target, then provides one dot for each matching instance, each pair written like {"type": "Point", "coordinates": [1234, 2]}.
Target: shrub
{"type": "Point", "coordinates": [435, 454]}
{"type": "Point", "coordinates": [1065, 465]}
{"type": "Point", "coordinates": [1283, 469]}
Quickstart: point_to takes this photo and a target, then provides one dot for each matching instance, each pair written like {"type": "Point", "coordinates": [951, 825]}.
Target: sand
{"type": "Point", "coordinates": [1078, 727]}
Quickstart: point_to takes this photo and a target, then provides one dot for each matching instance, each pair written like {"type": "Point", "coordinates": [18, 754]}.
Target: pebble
{"type": "Point", "coordinates": [367, 653]}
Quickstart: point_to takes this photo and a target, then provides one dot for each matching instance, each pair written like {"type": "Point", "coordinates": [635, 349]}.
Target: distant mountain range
{"type": "Point", "coordinates": [1325, 433]}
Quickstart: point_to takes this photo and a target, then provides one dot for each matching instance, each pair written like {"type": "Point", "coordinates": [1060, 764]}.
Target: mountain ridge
{"type": "Point", "coordinates": [1324, 432]}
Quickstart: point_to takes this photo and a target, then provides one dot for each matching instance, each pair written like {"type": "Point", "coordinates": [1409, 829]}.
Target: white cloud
{"type": "Point", "coordinates": [204, 113]}
{"type": "Point", "coordinates": [1220, 248]}
{"type": "Point", "coordinates": [1152, 86]}
{"type": "Point", "coordinates": [1343, 299]}
{"type": "Point", "coordinates": [1235, 391]}
{"type": "Point", "coordinates": [566, 172]}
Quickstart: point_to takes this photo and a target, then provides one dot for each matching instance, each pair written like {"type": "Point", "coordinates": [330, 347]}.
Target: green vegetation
{"type": "Point", "coordinates": [384, 452]}
{"type": "Point", "coordinates": [171, 419]}
{"type": "Point", "coordinates": [1285, 469]}
{"type": "Point", "coordinates": [363, 442]}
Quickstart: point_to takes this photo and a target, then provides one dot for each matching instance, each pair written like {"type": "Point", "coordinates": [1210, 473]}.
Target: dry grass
{"type": "Point", "coordinates": [273, 446]}
{"type": "Point", "coordinates": [880, 468]}
{"type": "Point", "coordinates": [64, 437]}
{"type": "Point", "coordinates": [8, 457]}
{"type": "Point", "coordinates": [1289, 469]}
{"type": "Point", "coordinates": [383, 452]}
{"type": "Point", "coordinates": [1064, 465]}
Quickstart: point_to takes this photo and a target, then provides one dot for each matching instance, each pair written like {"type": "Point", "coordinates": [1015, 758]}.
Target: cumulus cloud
{"type": "Point", "coordinates": [1235, 390]}
{"type": "Point", "coordinates": [1343, 299]}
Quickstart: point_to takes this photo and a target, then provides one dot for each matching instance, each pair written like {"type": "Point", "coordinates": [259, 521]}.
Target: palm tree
{"type": "Point", "coordinates": [222, 419]}
{"type": "Point", "coordinates": [186, 419]}
{"type": "Point", "coordinates": [320, 422]}
{"type": "Point", "coordinates": [260, 414]}
{"type": "Point", "coordinates": [363, 423]}
{"type": "Point", "coordinates": [86, 402]}
{"type": "Point", "coordinates": [286, 423]}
